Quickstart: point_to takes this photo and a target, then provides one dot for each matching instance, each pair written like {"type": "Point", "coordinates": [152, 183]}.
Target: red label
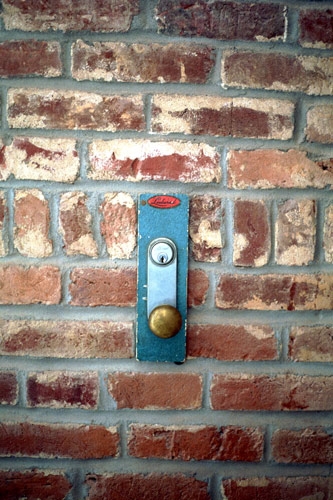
{"type": "Point", "coordinates": [164, 201]}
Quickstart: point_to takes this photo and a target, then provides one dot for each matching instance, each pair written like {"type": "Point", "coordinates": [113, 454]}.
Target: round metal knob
{"type": "Point", "coordinates": [165, 321]}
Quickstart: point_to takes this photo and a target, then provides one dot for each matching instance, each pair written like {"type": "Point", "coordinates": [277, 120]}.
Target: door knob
{"type": "Point", "coordinates": [165, 321]}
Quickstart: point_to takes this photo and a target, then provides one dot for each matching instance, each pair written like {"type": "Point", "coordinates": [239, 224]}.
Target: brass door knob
{"type": "Point", "coordinates": [165, 321]}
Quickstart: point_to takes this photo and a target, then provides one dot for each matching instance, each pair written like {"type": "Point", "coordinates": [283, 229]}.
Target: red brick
{"type": "Point", "coordinates": [307, 446]}
{"type": "Point", "coordinates": [272, 168]}
{"type": "Point", "coordinates": [30, 57]}
{"type": "Point", "coordinates": [155, 63]}
{"type": "Point", "coordinates": [143, 160]}
{"type": "Point", "coordinates": [30, 485]}
{"type": "Point", "coordinates": [58, 441]}
{"type": "Point", "coordinates": [32, 285]}
{"type": "Point", "coordinates": [153, 391]}
{"type": "Point", "coordinates": [274, 393]}
{"type": "Point", "coordinates": [320, 124]}
{"type": "Point", "coordinates": [275, 292]}
{"type": "Point", "coordinates": [8, 388]}
{"type": "Point", "coordinates": [66, 339]}
{"type": "Point", "coordinates": [277, 488]}
{"type": "Point", "coordinates": [311, 343]}
{"type": "Point", "coordinates": [66, 109]}
{"type": "Point", "coordinates": [69, 15]}
{"type": "Point", "coordinates": [103, 287]}
{"type": "Point", "coordinates": [221, 20]}
{"type": "Point", "coordinates": [232, 342]}
{"type": "Point", "coordinates": [205, 228]}
{"type": "Point", "coordinates": [146, 487]}
{"type": "Point", "coordinates": [56, 389]}
{"type": "Point", "coordinates": [276, 71]}
{"type": "Point", "coordinates": [316, 28]}
{"type": "Point", "coordinates": [198, 286]}
{"type": "Point", "coordinates": [3, 224]}
{"type": "Point", "coordinates": [197, 442]}
{"type": "Point", "coordinates": [252, 234]}
{"type": "Point", "coordinates": [328, 234]}
{"type": "Point", "coordinates": [222, 116]}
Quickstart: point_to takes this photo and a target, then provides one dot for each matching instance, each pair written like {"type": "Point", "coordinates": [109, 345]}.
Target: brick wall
{"type": "Point", "coordinates": [231, 103]}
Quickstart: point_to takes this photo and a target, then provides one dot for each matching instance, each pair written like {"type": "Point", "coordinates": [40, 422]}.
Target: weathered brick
{"type": "Point", "coordinates": [295, 232]}
{"type": "Point", "coordinates": [59, 389]}
{"type": "Point", "coordinates": [320, 124]}
{"type": "Point", "coordinates": [196, 442]}
{"type": "Point", "coordinates": [44, 485]}
{"type": "Point", "coordinates": [311, 343]}
{"type": "Point", "coordinates": [66, 339]}
{"type": "Point", "coordinates": [316, 28]}
{"type": "Point", "coordinates": [103, 287]}
{"type": "Point", "coordinates": [156, 63]}
{"type": "Point", "coordinates": [69, 15]}
{"type": "Point", "coordinates": [30, 57]}
{"type": "Point", "coordinates": [146, 487]}
{"type": "Point", "coordinates": [275, 292]}
{"type": "Point", "coordinates": [8, 388]}
{"type": "Point", "coordinates": [153, 391]}
{"type": "Point", "coordinates": [75, 225]}
{"type": "Point", "coordinates": [119, 224]}
{"type": "Point", "coordinates": [232, 342]}
{"type": "Point", "coordinates": [276, 488]}
{"type": "Point", "coordinates": [276, 71]}
{"type": "Point", "coordinates": [3, 219]}
{"type": "Point", "coordinates": [143, 160]}
{"type": "Point", "coordinates": [198, 286]}
{"type": "Point", "coordinates": [26, 439]}
{"type": "Point", "coordinates": [274, 393]}
{"type": "Point", "coordinates": [65, 109]}
{"type": "Point", "coordinates": [252, 233]}
{"type": "Point", "coordinates": [32, 224]}
{"type": "Point", "coordinates": [205, 228]}
{"type": "Point", "coordinates": [328, 234]}
{"type": "Point", "coordinates": [310, 446]}
{"type": "Point", "coordinates": [272, 168]}
{"type": "Point", "coordinates": [32, 285]}
{"type": "Point", "coordinates": [222, 20]}
{"type": "Point", "coordinates": [222, 116]}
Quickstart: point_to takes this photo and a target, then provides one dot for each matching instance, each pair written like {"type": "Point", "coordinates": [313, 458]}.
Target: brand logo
{"type": "Point", "coordinates": [164, 201]}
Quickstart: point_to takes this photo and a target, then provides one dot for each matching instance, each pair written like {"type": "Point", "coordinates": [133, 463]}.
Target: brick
{"type": "Point", "coordinates": [222, 116]}
{"type": "Point", "coordinates": [275, 488]}
{"type": "Point", "coordinates": [295, 232]}
{"type": "Point", "coordinates": [103, 287]}
{"type": "Point", "coordinates": [30, 58]}
{"type": "Point", "coordinates": [42, 159]}
{"type": "Point", "coordinates": [275, 71]}
{"type": "Point", "coordinates": [57, 389]}
{"type": "Point", "coordinates": [32, 285]}
{"type": "Point", "coordinates": [137, 62]}
{"type": "Point", "coordinates": [67, 339]}
{"type": "Point", "coordinates": [3, 224]}
{"type": "Point", "coordinates": [271, 168]}
{"type": "Point", "coordinates": [75, 225]}
{"type": "Point", "coordinates": [143, 160]}
{"type": "Point", "coordinates": [205, 228]}
{"type": "Point", "coordinates": [307, 446]}
{"type": "Point", "coordinates": [146, 487]}
{"type": "Point", "coordinates": [316, 28]}
{"type": "Point", "coordinates": [44, 485]}
{"type": "Point", "coordinates": [65, 109]}
{"type": "Point", "coordinates": [32, 224]}
{"type": "Point", "coordinates": [156, 391]}
{"type": "Point", "coordinates": [222, 20]}
{"type": "Point", "coordinates": [320, 124]}
{"type": "Point", "coordinates": [328, 234]}
{"type": "Point", "coordinates": [68, 15]}
{"type": "Point", "coordinates": [198, 286]}
{"type": "Point", "coordinates": [118, 226]}
{"type": "Point", "coordinates": [275, 292]}
{"type": "Point", "coordinates": [8, 388]}
{"type": "Point", "coordinates": [252, 233]}
{"type": "Point", "coordinates": [273, 393]}
{"type": "Point", "coordinates": [232, 342]}
{"type": "Point", "coordinates": [196, 442]}
{"type": "Point", "coordinates": [57, 441]}
{"type": "Point", "coordinates": [311, 343]}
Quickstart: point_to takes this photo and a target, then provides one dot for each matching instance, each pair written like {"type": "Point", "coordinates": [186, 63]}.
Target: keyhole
{"type": "Point", "coordinates": [162, 258]}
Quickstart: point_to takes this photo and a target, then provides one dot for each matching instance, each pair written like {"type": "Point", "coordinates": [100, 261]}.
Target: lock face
{"type": "Point", "coordinates": [162, 278]}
